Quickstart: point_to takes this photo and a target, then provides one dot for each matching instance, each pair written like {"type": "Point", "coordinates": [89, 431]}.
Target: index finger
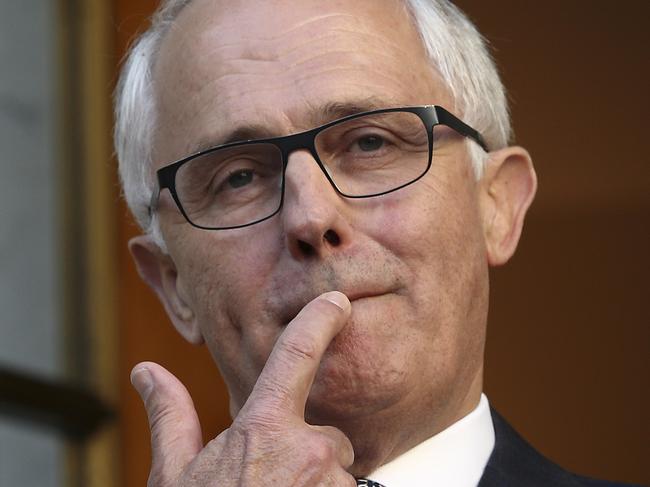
{"type": "Point", "coordinates": [289, 372]}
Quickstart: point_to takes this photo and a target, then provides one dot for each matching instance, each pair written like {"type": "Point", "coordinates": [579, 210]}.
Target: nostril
{"type": "Point", "coordinates": [332, 238]}
{"type": "Point", "coordinates": [305, 248]}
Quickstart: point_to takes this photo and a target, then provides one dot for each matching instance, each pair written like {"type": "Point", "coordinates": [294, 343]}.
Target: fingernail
{"type": "Point", "coordinates": [142, 382]}
{"type": "Point", "coordinates": [339, 299]}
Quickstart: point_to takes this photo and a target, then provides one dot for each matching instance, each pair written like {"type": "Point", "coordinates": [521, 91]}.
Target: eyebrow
{"type": "Point", "coordinates": [319, 115]}
{"type": "Point", "coordinates": [334, 110]}
{"type": "Point", "coordinates": [237, 134]}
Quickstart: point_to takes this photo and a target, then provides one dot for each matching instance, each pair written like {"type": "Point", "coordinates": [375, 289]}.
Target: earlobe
{"type": "Point", "coordinates": [159, 271]}
{"type": "Point", "coordinates": [507, 190]}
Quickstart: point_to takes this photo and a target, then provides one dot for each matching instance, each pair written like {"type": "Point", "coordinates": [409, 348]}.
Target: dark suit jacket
{"type": "Point", "coordinates": [514, 463]}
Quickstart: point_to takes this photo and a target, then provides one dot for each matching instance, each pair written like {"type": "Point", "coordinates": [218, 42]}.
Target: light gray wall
{"type": "Point", "coordinates": [29, 291]}
{"type": "Point", "coordinates": [29, 457]}
{"type": "Point", "coordinates": [29, 318]}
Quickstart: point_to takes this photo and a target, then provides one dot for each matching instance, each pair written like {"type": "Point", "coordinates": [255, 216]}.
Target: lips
{"type": "Point", "coordinates": [374, 275]}
{"type": "Point", "coordinates": [292, 310]}
{"type": "Point", "coordinates": [361, 295]}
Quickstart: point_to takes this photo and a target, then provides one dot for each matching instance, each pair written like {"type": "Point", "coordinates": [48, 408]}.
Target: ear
{"type": "Point", "coordinates": [158, 270]}
{"type": "Point", "coordinates": [506, 190]}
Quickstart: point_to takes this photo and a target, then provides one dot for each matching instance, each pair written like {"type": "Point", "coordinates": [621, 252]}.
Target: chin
{"type": "Point", "coordinates": [337, 407]}
{"type": "Point", "coordinates": [347, 389]}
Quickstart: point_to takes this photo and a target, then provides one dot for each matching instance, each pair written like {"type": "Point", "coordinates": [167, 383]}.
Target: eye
{"type": "Point", "coordinates": [370, 143]}
{"type": "Point", "coordinates": [240, 178]}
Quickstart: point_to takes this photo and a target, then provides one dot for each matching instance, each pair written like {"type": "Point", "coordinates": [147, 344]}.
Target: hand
{"type": "Point", "coordinates": [269, 443]}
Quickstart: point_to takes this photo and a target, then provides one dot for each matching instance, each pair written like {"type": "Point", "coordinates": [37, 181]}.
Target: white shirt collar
{"type": "Point", "coordinates": [455, 457]}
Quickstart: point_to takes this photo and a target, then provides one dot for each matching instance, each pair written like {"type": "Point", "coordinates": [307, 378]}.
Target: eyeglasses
{"type": "Point", "coordinates": [362, 155]}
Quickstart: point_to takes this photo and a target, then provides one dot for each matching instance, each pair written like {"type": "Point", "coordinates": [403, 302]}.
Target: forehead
{"type": "Point", "coordinates": [274, 63]}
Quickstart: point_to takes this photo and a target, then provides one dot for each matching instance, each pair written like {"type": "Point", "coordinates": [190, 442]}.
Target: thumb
{"type": "Point", "coordinates": [175, 430]}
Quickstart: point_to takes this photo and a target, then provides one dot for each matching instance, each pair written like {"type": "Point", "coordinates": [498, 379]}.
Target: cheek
{"type": "Point", "coordinates": [426, 224]}
{"type": "Point", "coordinates": [440, 242]}
{"type": "Point", "coordinates": [227, 268]}
{"type": "Point", "coordinates": [227, 271]}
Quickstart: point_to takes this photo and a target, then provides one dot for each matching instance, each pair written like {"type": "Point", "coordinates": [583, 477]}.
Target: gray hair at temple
{"type": "Point", "coordinates": [456, 50]}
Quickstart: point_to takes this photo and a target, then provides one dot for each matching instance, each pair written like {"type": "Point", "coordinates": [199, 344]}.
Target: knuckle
{"type": "Point", "coordinates": [271, 388]}
{"type": "Point", "coordinates": [298, 348]}
{"type": "Point", "coordinates": [322, 450]}
{"type": "Point", "coordinates": [246, 429]}
{"type": "Point", "coordinates": [255, 426]}
{"type": "Point", "coordinates": [160, 418]}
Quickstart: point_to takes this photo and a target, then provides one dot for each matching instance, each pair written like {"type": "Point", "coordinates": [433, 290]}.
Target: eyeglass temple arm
{"type": "Point", "coordinates": [450, 120]}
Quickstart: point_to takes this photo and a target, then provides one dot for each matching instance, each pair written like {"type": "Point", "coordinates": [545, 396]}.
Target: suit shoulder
{"type": "Point", "coordinates": [515, 463]}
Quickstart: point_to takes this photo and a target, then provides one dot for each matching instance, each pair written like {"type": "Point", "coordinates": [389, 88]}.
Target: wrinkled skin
{"type": "Point", "coordinates": [407, 360]}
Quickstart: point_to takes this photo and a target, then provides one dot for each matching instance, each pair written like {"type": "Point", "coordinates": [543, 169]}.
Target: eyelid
{"type": "Point", "coordinates": [365, 130]}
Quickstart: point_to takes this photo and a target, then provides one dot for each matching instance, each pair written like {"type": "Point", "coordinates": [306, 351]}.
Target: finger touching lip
{"type": "Point", "coordinates": [355, 296]}
{"type": "Point", "coordinates": [291, 311]}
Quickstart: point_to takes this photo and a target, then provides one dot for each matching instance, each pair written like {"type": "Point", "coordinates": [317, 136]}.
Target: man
{"type": "Point", "coordinates": [317, 218]}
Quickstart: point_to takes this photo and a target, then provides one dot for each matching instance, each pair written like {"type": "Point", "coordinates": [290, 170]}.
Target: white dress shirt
{"type": "Point", "coordinates": [455, 457]}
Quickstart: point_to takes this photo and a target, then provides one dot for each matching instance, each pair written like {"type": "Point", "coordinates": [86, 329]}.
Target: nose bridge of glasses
{"type": "Point", "coordinates": [303, 142]}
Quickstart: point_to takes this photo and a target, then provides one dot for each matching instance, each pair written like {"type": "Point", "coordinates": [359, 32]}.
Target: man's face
{"type": "Point", "coordinates": [412, 262]}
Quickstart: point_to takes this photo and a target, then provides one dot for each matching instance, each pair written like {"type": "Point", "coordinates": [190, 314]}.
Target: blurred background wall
{"type": "Point", "coordinates": [28, 99]}
{"type": "Point", "coordinates": [568, 338]}
{"type": "Point", "coordinates": [569, 332]}
{"type": "Point", "coordinates": [58, 348]}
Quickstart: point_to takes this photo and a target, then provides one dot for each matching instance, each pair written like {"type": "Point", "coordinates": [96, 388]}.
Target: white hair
{"type": "Point", "coordinates": [455, 48]}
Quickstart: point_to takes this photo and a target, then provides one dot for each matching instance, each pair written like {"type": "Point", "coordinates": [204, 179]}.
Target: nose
{"type": "Point", "coordinates": [311, 214]}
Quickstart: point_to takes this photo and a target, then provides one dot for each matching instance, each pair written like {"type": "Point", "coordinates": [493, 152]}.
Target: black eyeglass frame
{"type": "Point", "coordinates": [430, 115]}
